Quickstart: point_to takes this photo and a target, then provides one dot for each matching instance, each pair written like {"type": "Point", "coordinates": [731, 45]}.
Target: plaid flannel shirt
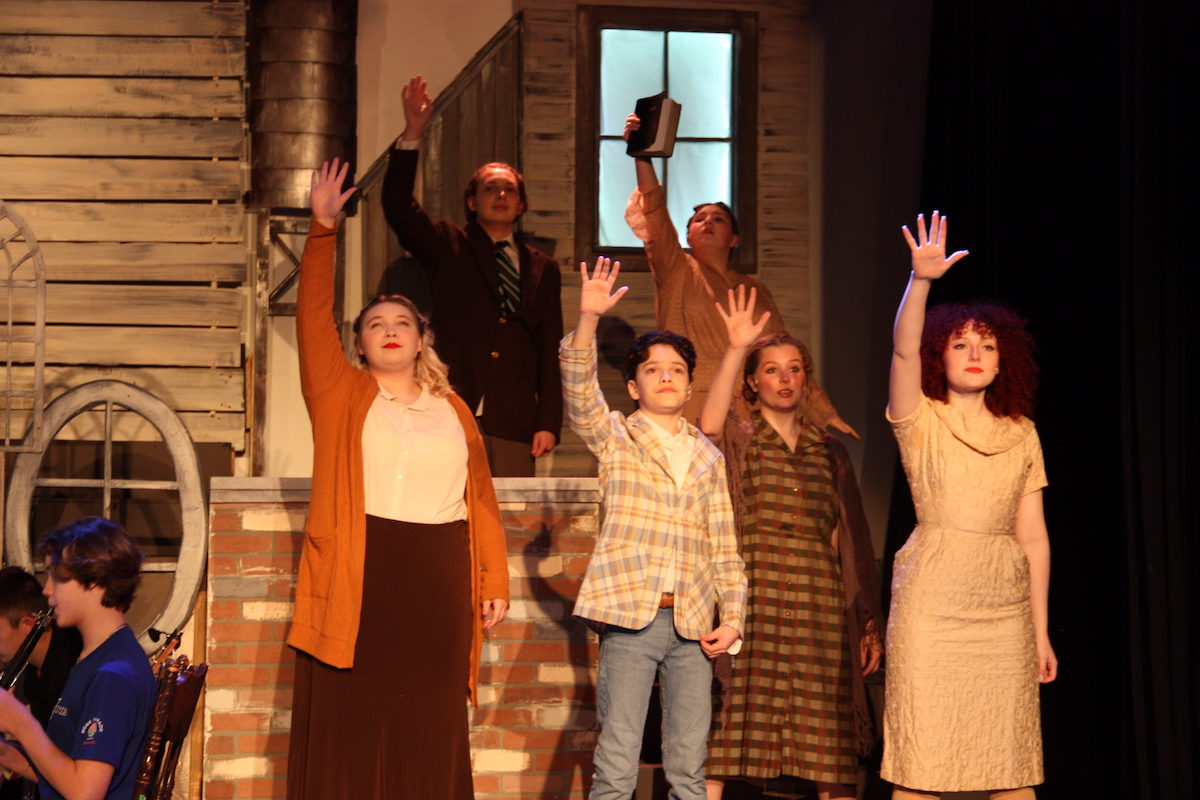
{"type": "Point", "coordinates": [647, 517]}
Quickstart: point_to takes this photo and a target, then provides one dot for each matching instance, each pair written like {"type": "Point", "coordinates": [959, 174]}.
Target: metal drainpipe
{"type": "Point", "coordinates": [302, 96]}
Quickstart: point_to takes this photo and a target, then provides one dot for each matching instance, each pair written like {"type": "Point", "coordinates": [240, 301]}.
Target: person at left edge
{"type": "Point", "coordinates": [41, 683]}
{"type": "Point", "coordinates": [504, 362]}
{"type": "Point", "coordinates": [92, 748]}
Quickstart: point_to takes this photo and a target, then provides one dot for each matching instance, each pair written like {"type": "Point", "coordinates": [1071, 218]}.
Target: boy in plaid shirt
{"type": "Point", "coordinates": [666, 554]}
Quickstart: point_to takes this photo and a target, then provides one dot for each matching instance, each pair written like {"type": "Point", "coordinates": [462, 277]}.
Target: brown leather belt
{"type": "Point", "coordinates": [667, 600]}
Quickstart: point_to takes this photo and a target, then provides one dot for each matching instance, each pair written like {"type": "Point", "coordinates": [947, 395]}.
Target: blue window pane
{"type": "Point", "coordinates": [617, 182]}
{"type": "Point", "coordinates": [631, 66]}
{"type": "Point", "coordinates": [699, 173]}
{"type": "Point", "coordinates": [701, 80]}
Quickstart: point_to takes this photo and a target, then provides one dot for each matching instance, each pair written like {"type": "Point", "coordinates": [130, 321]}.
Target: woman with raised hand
{"type": "Point", "coordinates": [795, 706]}
{"type": "Point", "coordinates": [968, 640]}
{"type": "Point", "coordinates": [687, 284]}
{"type": "Point", "coordinates": [404, 563]}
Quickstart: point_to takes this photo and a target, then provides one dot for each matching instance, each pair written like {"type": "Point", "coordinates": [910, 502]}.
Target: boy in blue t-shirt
{"type": "Point", "coordinates": [93, 744]}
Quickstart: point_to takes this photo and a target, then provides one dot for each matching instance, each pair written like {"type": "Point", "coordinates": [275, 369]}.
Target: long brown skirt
{"type": "Point", "coordinates": [395, 724]}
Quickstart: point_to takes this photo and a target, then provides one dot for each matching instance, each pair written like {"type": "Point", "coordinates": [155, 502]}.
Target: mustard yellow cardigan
{"type": "Point", "coordinates": [338, 396]}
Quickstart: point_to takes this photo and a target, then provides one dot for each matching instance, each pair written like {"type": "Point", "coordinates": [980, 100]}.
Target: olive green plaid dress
{"type": "Point", "coordinates": [790, 712]}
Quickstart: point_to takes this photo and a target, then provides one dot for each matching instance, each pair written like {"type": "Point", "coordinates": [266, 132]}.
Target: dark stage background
{"type": "Point", "coordinates": [1060, 139]}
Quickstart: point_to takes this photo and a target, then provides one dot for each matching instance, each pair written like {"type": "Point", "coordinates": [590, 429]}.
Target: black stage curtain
{"type": "Point", "coordinates": [1061, 142]}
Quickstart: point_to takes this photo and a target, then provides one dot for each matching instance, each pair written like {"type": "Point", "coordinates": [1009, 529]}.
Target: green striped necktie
{"type": "Point", "coordinates": [510, 279]}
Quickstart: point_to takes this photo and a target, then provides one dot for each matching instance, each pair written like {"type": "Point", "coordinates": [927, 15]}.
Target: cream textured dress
{"type": "Point", "coordinates": [962, 709]}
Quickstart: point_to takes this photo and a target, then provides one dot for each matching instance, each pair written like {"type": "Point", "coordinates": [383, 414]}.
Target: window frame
{"type": "Point", "coordinates": [744, 121]}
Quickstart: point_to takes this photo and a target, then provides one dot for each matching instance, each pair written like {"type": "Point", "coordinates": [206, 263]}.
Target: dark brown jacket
{"type": "Point", "coordinates": [511, 362]}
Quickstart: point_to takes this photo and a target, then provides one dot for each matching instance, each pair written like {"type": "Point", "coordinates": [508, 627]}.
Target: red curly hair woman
{"type": "Point", "coordinates": [967, 639]}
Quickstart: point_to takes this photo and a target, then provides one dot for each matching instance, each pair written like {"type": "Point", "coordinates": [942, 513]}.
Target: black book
{"type": "Point", "coordinates": [660, 122]}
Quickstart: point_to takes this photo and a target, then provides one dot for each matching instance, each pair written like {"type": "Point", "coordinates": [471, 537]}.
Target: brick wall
{"type": "Point", "coordinates": [533, 732]}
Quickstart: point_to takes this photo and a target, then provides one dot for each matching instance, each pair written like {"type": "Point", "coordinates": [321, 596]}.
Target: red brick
{"type": "Point", "coordinates": [575, 566]}
{"type": "Point", "coordinates": [240, 543]}
{"type": "Point", "coordinates": [263, 743]}
{"type": "Point", "coordinates": [581, 782]}
{"type": "Point", "coordinates": [284, 588]}
{"type": "Point", "coordinates": [534, 523]}
{"type": "Point", "coordinates": [566, 588]}
{"type": "Point", "coordinates": [238, 676]}
{"type": "Point", "coordinates": [274, 697]}
{"type": "Point", "coordinates": [222, 522]}
{"type": "Point", "coordinates": [511, 630]}
{"type": "Point", "coordinates": [285, 675]}
{"type": "Point", "coordinates": [225, 609]}
{"type": "Point", "coordinates": [533, 651]}
{"type": "Point", "coordinates": [224, 565]}
{"type": "Point", "coordinates": [290, 542]}
{"type": "Point", "coordinates": [264, 652]}
{"type": "Point", "coordinates": [501, 717]}
{"type": "Point", "coordinates": [506, 673]}
{"type": "Point", "coordinates": [218, 790]}
{"type": "Point", "coordinates": [533, 740]}
{"type": "Point", "coordinates": [487, 784]}
{"type": "Point", "coordinates": [561, 761]}
{"type": "Point", "coordinates": [487, 739]}
{"type": "Point", "coordinates": [222, 654]}
{"type": "Point", "coordinates": [582, 740]}
{"type": "Point", "coordinates": [220, 746]}
{"type": "Point", "coordinates": [239, 722]}
{"type": "Point", "coordinates": [532, 785]}
{"type": "Point", "coordinates": [527, 695]}
{"type": "Point", "coordinates": [261, 787]}
{"type": "Point", "coordinates": [527, 544]}
{"type": "Point", "coordinates": [582, 694]}
{"type": "Point", "coordinates": [572, 545]}
{"type": "Point", "coordinates": [270, 565]}
{"type": "Point", "coordinates": [242, 632]}
{"type": "Point", "coordinates": [583, 652]}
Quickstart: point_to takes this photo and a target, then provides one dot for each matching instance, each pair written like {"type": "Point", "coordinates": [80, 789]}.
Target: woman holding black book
{"type": "Point", "coordinates": [688, 284]}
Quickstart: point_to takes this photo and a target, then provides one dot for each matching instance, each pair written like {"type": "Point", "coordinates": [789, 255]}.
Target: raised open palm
{"type": "Point", "coordinates": [596, 295]}
{"type": "Point", "coordinates": [326, 196]}
{"type": "Point", "coordinates": [739, 322]}
{"type": "Point", "coordinates": [928, 249]}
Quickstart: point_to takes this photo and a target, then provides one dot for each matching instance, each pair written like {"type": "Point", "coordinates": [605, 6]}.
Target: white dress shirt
{"type": "Point", "coordinates": [414, 460]}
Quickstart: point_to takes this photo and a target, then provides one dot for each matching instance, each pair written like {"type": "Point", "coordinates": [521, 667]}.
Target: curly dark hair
{"type": "Point", "coordinates": [96, 552]}
{"type": "Point", "coordinates": [1011, 393]}
{"type": "Point", "coordinates": [754, 357]}
{"type": "Point", "coordinates": [639, 351]}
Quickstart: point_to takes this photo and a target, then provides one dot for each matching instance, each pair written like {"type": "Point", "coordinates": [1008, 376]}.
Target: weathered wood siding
{"type": "Point", "coordinates": [122, 142]}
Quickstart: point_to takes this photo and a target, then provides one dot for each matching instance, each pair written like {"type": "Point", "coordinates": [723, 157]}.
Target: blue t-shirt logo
{"type": "Point", "coordinates": [90, 728]}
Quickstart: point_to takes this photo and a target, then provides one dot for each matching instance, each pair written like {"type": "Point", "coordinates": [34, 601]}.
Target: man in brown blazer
{"type": "Point", "coordinates": [496, 309]}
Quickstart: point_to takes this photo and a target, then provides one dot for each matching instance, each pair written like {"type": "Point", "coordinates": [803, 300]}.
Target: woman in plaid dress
{"type": "Point", "coordinates": [795, 704]}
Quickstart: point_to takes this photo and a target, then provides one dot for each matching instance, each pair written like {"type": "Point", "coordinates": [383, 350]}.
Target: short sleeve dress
{"type": "Point", "coordinates": [962, 710]}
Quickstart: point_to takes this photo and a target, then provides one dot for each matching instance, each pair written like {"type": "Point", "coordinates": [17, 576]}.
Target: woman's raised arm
{"type": "Point", "coordinates": [743, 331]}
{"type": "Point", "coordinates": [326, 196]}
{"type": "Point", "coordinates": [929, 262]}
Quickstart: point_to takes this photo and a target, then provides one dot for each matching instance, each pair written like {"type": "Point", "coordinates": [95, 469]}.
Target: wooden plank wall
{"type": "Point", "coordinates": [122, 143]}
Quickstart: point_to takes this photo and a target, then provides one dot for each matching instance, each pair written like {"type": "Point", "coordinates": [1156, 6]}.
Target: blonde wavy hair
{"type": "Point", "coordinates": [431, 371]}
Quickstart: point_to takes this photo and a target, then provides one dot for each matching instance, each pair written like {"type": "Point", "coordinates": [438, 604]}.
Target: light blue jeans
{"type": "Point", "coordinates": [629, 661]}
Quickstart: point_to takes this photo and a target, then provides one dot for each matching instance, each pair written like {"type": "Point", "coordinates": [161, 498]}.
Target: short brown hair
{"type": "Point", "coordinates": [473, 186]}
{"type": "Point", "coordinates": [20, 595]}
{"type": "Point", "coordinates": [96, 552]}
